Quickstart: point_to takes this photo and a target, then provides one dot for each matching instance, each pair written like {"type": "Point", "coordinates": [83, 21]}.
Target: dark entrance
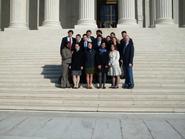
{"type": "Point", "coordinates": [107, 13]}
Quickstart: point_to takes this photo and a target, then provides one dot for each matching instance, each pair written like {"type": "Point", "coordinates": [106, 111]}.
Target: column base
{"type": "Point", "coordinates": [85, 23]}
{"type": "Point", "coordinates": [165, 22]}
{"type": "Point", "coordinates": [51, 25]}
{"type": "Point", "coordinates": [17, 26]}
{"type": "Point", "coordinates": [127, 23]}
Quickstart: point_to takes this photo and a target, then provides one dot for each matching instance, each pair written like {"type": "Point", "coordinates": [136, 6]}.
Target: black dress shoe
{"type": "Point", "coordinates": [125, 86]}
{"type": "Point", "coordinates": [130, 87]}
{"type": "Point", "coordinates": [112, 87]}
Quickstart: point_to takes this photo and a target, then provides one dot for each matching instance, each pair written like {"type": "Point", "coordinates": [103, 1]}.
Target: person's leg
{"type": "Point", "coordinates": [91, 80]}
{"type": "Point", "coordinates": [62, 77]}
{"type": "Point", "coordinates": [126, 78]}
{"type": "Point", "coordinates": [117, 81]}
{"type": "Point", "coordinates": [87, 80]}
{"type": "Point", "coordinates": [104, 79]}
{"type": "Point", "coordinates": [113, 81]}
{"type": "Point", "coordinates": [78, 81]}
{"type": "Point", "coordinates": [100, 79]}
{"type": "Point", "coordinates": [67, 76]}
{"type": "Point", "coordinates": [123, 71]}
{"type": "Point", "coordinates": [64, 72]}
{"type": "Point", "coordinates": [130, 77]}
{"type": "Point", "coordinates": [74, 80]}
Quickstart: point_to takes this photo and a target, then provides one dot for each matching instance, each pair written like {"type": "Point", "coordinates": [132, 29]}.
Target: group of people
{"type": "Point", "coordinates": [87, 59]}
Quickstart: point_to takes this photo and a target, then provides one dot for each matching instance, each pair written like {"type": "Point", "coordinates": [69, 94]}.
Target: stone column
{"type": "Point", "coordinates": [164, 12]}
{"type": "Point", "coordinates": [18, 14]}
{"type": "Point", "coordinates": [0, 17]}
{"type": "Point", "coordinates": [126, 13]}
{"type": "Point", "coordinates": [51, 14]}
{"type": "Point", "coordinates": [140, 12]}
{"type": "Point", "coordinates": [147, 13]}
{"type": "Point", "coordinates": [153, 13]}
{"type": "Point", "coordinates": [87, 14]}
{"type": "Point", "coordinates": [183, 13]}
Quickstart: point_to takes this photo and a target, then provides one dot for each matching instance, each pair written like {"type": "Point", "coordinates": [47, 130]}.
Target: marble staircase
{"type": "Point", "coordinates": [30, 67]}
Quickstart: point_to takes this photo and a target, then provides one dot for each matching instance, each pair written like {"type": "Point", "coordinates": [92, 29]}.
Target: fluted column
{"type": "Point", "coordinates": [126, 12]}
{"type": "Point", "coordinates": [183, 13]}
{"type": "Point", "coordinates": [18, 14]}
{"type": "Point", "coordinates": [87, 14]}
{"type": "Point", "coordinates": [164, 12]}
{"type": "Point", "coordinates": [51, 14]}
{"type": "Point", "coordinates": [0, 16]}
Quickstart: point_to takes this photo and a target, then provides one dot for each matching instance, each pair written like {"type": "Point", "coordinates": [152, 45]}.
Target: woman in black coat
{"type": "Point", "coordinates": [102, 61]}
{"type": "Point", "coordinates": [77, 65]}
{"type": "Point", "coordinates": [89, 64]}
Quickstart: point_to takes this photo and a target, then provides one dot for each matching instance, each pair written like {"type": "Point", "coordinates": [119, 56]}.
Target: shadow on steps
{"type": "Point", "coordinates": [52, 72]}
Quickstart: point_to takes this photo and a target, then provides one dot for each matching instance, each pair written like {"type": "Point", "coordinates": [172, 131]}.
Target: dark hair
{"type": "Point", "coordinates": [99, 31]}
{"type": "Point", "coordinates": [89, 42]}
{"type": "Point", "coordinates": [115, 47]}
{"type": "Point", "coordinates": [88, 31]}
{"type": "Point", "coordinates": [78, 35]}
{"type": "Point", "coordinates": [113, 33]}
{"type": "Point", "coordinates": [70, 31]}
{"type": "Point", "coordinates": [108, 36]}
{"type": "Point", "coordinates": [123, 32]}
{"type": "Point", "coordinates": [84, 35]}
{"type": "Point", "coordinates": [104, 42]}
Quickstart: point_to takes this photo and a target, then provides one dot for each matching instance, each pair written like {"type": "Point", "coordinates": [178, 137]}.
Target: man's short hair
{"type": "Point", "coordinates": [78, 35]}
{"type": "Point", "coordinates": [99, 31]}
{"type": "Point", "coordinates": [88, 31]}
{"type": "Point", "coordinates": [84, 35]}
{"type": "Point", "coordinates": [123, 32]}
{"type": "Point", "coordinates": [113, 33]}
{"type": "Point", "coordinates": [70, 31]}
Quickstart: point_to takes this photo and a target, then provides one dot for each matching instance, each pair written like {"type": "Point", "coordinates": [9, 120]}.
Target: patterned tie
{"type": "Point", "coordinates": [70, 42]}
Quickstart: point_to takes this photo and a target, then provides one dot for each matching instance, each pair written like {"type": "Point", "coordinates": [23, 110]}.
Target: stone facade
{"type": "Point", "coordinates": [36, 14]}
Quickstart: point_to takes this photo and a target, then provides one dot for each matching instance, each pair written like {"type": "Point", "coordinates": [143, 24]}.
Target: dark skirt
{"type": "Point", "coordinates": [76, 72]}
{"type": "Point", "coordinates": [89, 70]}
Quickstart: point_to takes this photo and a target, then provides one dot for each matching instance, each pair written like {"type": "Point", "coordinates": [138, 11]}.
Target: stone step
{"type": "Point", "coordinates": [137, 80]}
{"type": "Point", "coordinates": [83, 90]}
{"type": "Point", "coordinates": [94, 102]}
{"type": "Point", "coordinates": [58, 71]}
{"type": "Point", "coordinates": [91, 97]}
{"type": "Point", "coordinates": [55, 75]}
{"type": "Point", "coordinates": [28, 76]}
{"type": "Point", "coordinates": [96, 108]}
{"type": "Point", "coordinates": [20, 137]}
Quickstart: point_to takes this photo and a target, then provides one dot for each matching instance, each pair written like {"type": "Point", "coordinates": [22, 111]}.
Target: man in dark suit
{"type": "Point", "coordinates": [84, 43]}
{"type": "Point", "coordinates": [127, 56]}
{"type": "Point", "coordinates": [121, 50]}
{"type": "Point", "coordinates": [89, 36]}
{"type": "Point", "coordinates": [68, 40]}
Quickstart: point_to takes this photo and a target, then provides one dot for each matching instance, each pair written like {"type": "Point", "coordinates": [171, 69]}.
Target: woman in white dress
{"type": "Point", "coordinates": [114, 70]}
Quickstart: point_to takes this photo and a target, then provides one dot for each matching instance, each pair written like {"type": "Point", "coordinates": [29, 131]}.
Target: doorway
{"type": "Point", "coordinates": [107, 13]}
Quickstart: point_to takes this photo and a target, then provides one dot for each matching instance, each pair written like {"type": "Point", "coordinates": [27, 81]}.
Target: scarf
{"type": "Point", "coordinates": [102, 50]}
